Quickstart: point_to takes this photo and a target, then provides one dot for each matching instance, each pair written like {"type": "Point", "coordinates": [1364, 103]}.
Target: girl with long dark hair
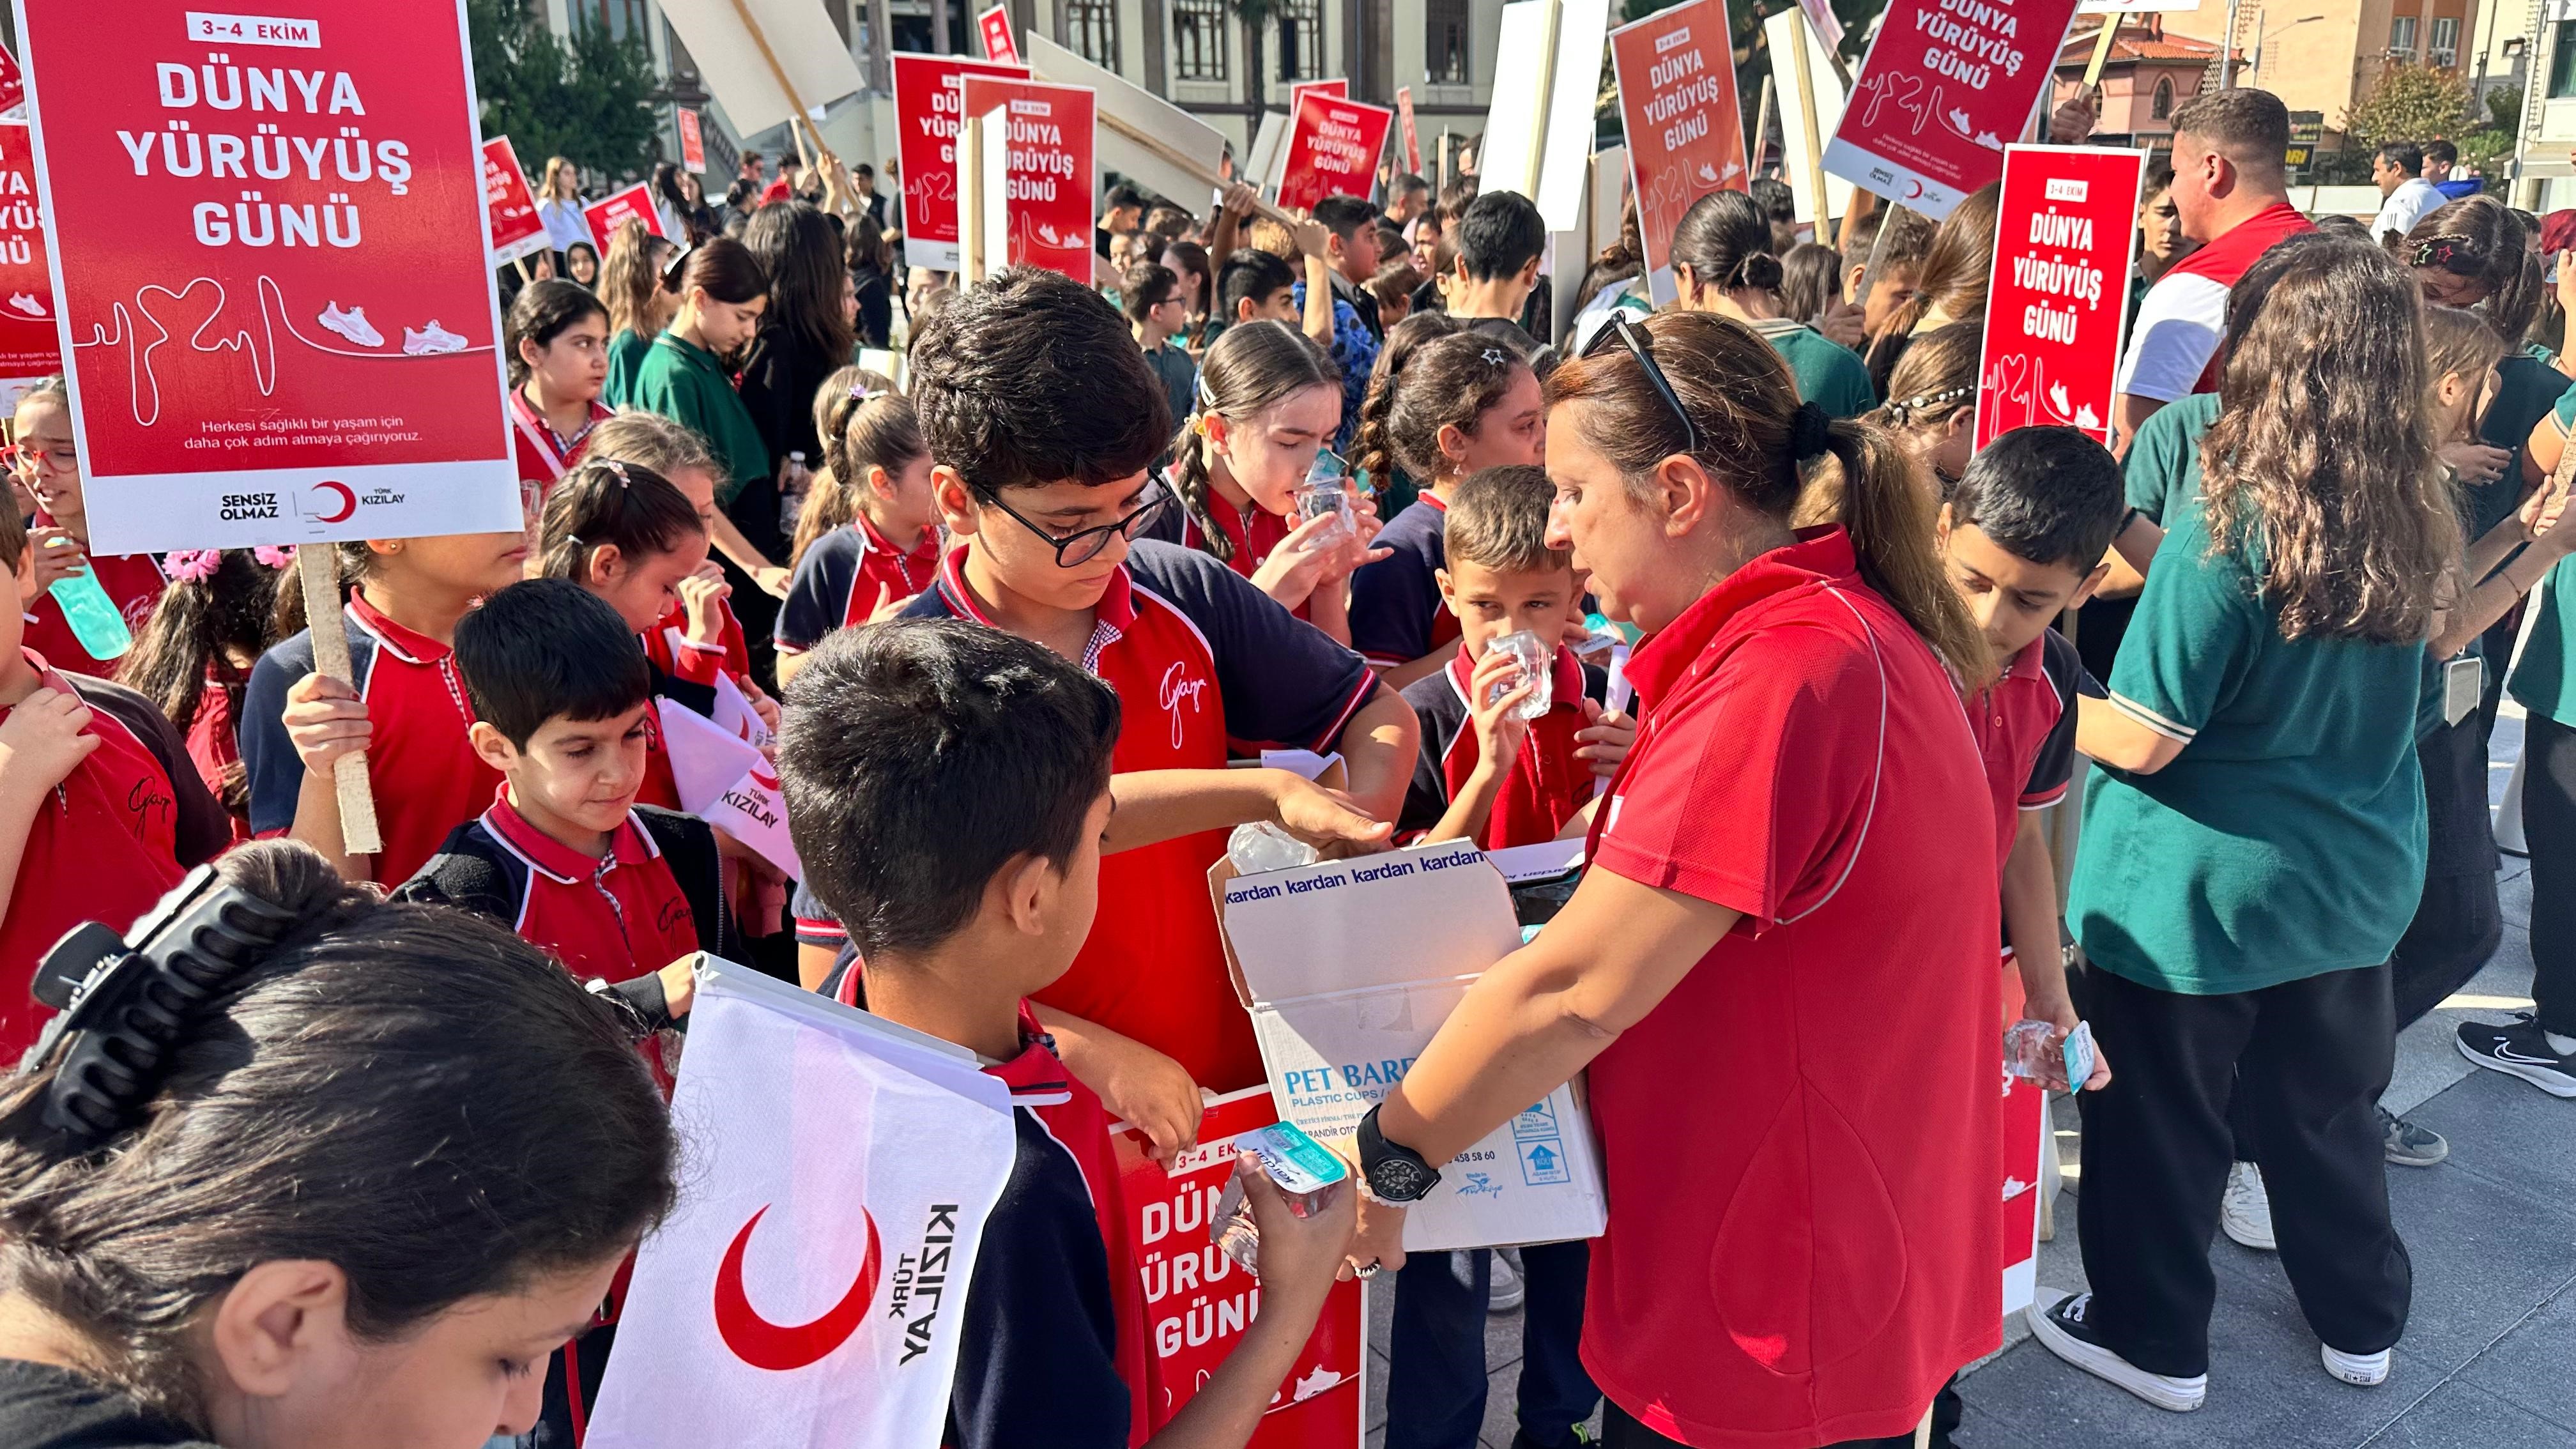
{"type": "Point", "coordinates": [194, 658]}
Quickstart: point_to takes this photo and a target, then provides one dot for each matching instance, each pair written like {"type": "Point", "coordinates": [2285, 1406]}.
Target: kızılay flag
{"type": "Point", "coordinates": [927, 112]}
{"type": "Point", "coordinates": [810, 1287]}
{"type": "Point", "coordinates": [2060, 289]}
{"type": "Point", "coordinates": [31, 349]}
{"type": "Point", "coordinates": [1676, 72]}
{"type": "Point", "coordinates": [635, 203]}
{"type": "Point", "coordinates": [1947, 85]}
{"type": "Point", "coordinates": [1333, 146]}
{"type": "Point", "coordinates": [509, 207]}
{"type": "Point", "coordinates": [724, 779]}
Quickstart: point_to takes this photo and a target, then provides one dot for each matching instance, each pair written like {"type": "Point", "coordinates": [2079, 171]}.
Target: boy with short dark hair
{"type": "Point", "coordinates": [1042, 420]}
{"type": "Point", "coordinates": [1253, 285]}
{"type": "Point", "coordinates": [948, 788]}
{"type": "Point", "coordinates": [1486, 775]}
{"type": "Point", "coordinates": [100, 809]}
{"type": "Point", "coordinates": [1501, 238]}
{"type": "Point", "coordinates": [2023, 539]}
{"type": "Point", "coordinates": [565, 856]}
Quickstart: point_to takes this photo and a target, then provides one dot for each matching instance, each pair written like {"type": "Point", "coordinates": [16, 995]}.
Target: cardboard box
{"type": "Point", "coordinates": [1348, 967]}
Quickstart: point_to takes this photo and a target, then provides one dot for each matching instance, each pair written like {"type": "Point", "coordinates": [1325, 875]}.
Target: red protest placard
{"type": "Point", "coordinates": [926, 114]}
{"type": "Point", "coordinates": [1048, 174]}
{"type": "Point", "coordinates": [1947, 85]}
{"type": "Point", "coordinates": [1197, 1300]}
{"type": "Point", "coordinates": [1676, 71]}
{"type": "Point", "coordinates": [635, 203]}
{"type": "Point", "coordinates": [1333, 146]}
{"type": "Point", "coordinates": [693, 142]}
{"type": "Point", "coordinates": [13, 85]}
{"type": "Point", "coordinates": [269, 259]}
{"type": "Point", "coordinates": [995, 26]}
{"type": "Point", "coordinates": [2061, 283]}
{"type": "Point", "coordinates": [1412, 143]}
{"type": "Point", "coordinates": [509, 207]}
{"type": "Point", "coordinates": [30, 348]}
{"type": "Point", "coordinates": [1299, 90]}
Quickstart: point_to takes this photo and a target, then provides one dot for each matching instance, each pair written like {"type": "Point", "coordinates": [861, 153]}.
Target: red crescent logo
{"type": "Point", "coordinates": [764, 777]}
{"type": "Point", "coordinates": [348, 502]}
{"type": "Point", "coordinates": [778, 1346]}
{"type": "Point", "coordinates": [1917, 191]}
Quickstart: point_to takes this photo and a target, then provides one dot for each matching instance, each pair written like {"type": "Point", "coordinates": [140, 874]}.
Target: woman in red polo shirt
{"type": "Point", "coordinates": [1780, 967]}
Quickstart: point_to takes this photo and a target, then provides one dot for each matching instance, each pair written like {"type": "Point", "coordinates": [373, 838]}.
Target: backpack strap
{"type": "Point", "coordinates": [688, 845]}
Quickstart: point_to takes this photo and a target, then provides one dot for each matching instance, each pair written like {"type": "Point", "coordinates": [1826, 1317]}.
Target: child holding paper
{"type": "Point", "coordinates": [966, 899]}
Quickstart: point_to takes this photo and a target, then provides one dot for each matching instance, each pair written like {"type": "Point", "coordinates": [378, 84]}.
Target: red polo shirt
{"type": "Point", "coordinates": [2025, 728]}
{"type": "Point", "coordinates": [544, 455]}
{"type": "Point", "coordinates": [1799, 1140]}
{"type": "Point", "coordinates": [134, 583]}
{"type": "Point", "coordinates": [838, 579]}
{"type": "Point", "coordinates": [1253, 538]}
{"type": "Point", "coordinates": [1199, 658]}
{"type": "Point", "coordinates": [615, 918]}
{"type": "Point", "coordinates": [427, 777]}
{"type": "Point", "coordinates": [1546, 783]}
{"type": "Point", "coordinates": [668, 645]}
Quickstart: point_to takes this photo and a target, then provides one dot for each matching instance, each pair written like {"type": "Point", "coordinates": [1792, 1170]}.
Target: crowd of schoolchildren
{"type": "Point", "coordinates": [1015, 597]}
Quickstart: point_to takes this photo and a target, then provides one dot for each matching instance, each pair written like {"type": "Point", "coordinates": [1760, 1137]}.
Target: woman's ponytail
{"type": "Point", "coordinates": [1887, 510]}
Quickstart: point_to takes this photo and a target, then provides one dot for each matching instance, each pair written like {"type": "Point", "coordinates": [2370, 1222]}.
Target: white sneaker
{"type": "Point", "coordinates": [2245, 1214]}
{"type": "Point", "coordinates": [352, 324]}
{"type": "Point", "coordinates": [2365, 1369]}
{"type": "Point", "coordinates": [431, 340]}
{"type": "Point", "coordinates": [27, 303]}
{"type": "Point", "coordinates": [2061, 1328]}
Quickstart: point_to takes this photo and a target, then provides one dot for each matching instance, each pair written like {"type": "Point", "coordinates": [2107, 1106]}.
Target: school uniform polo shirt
{"type": "Point", "coordinates": [1546, 783]}
{"type": "Point", "coordinates": [670, 649]}
{"type": "Point", "coordinates": [544, 456]}
{"type": "Point", "coordinates": [616, 917]}
{"type": "Point", "coordinates": [1204, 664]}
{"type": "Point", "coordinates": [1254, 532]}
{"type": "Point", "coordinates": [2025, 728]}
{"type": "Point", "coordinates": [686, 383]}
{"type": "Point", "coordinates": [625, 359]}
{"type": "Point", "coordinates": [1828, 374]}
{"type": "Point", "coordinates": [838, 579]}
{"type": "Point", "coordinates": [2542, 682]}
{"type": "Point", "coordinates": [110, 838]}
{"type": "Point", "coordinates": [1396, 613]}
{"type": "Point", "coordinates": [427, 777]}
{"type": "Point", "coordinates": [132, 581]}
{"type": "Point", "coordinates": [1799, 1140]}
{"type": "Point", "coordinates": [2287, 839]}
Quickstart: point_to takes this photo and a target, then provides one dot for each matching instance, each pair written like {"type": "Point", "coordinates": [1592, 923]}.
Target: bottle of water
{"type": "Point", "coordinates": [91, 613]}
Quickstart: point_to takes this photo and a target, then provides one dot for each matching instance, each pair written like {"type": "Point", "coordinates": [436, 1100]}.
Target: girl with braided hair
{"type": "Point", "coordinates": [1931, 406]}
{"type": "Point", "coordinates": [1722, 263]}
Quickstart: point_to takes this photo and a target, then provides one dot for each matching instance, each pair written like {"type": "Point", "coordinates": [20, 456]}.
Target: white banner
{"type": "Point", "coordinates": [810, 1287]}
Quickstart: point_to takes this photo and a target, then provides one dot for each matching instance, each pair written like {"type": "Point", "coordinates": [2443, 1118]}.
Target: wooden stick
{"type": "Point", "coordinates": [1761, 128]}
{"type": "Point", "coordinates": [522, 264]}
{"type": "Point", "coordinates": [1188, 163]}
{"type": "Point", "coordinates": [315, 566]}
{"type": "Point", "coordinates": [972, 264]}
{"type": "Point", "coordinates": [778, 73]}
{"type": "Point", "coordinates": [2102, 50]}
{"type": "Point", "coordinates": [1864, 202]}
{"type": "Point", "coordinates": [1877, 251]}
{"type": "Point", "coordinates": [1923, 1431]}
{"type": "Point", "coordinates": [1807, 118]}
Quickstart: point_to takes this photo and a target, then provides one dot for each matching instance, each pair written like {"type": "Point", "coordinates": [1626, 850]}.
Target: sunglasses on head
{"type": "Point", "coordinates": [1634, 338]}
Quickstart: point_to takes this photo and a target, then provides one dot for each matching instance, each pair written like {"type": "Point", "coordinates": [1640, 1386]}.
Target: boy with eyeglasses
{"type": "Point", "coordinates": [1043, 419]}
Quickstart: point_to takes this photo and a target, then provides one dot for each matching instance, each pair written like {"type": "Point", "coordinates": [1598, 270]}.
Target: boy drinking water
{"type": "Point", "coordinates": [948, 789]}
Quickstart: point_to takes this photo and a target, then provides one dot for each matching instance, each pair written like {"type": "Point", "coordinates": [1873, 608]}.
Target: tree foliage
{"type": "Point", "coordinates": [2410, 103]}
{"type": "Point", "coordinates": [589, 99]}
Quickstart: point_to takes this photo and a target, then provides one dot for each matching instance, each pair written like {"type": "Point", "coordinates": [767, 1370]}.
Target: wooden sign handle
{"type": "Point", "coordinates": [314, 566]}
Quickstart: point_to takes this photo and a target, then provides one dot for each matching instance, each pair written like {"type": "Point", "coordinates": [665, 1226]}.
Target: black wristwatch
{"type": "Point", "coordinates": [1395, 1173]}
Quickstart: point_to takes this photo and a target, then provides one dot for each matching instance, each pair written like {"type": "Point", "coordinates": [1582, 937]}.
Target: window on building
{"type": "Point", "coordinates": [2562, 61]}
{"type": "Point", "coordinates": [2160, 105]}
{"type": "Point", "coordinates": [2446, 41]}
{"type": "Point", "coordinates": [1094, 24]}
{"type": "Point", "coordinates": [2401, 37]}
{"type": "Point", "coordinates": [1445, 42]}
{"type": "Point", "coordinates": [1198, 40]}
{"type": "Point", "coordinates": [1301, 39]}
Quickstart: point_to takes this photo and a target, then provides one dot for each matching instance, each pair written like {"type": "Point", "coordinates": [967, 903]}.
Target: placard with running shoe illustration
{"type": "Point", "coordinates": [269, 258]}
{"type": "Point", "coordinates": [30, 347]}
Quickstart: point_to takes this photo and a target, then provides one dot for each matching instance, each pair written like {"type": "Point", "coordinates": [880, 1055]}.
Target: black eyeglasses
{"type": "Point", "coordinates": [1076, 549]}
{"type": "Point", "coordinates": [1635, 340]}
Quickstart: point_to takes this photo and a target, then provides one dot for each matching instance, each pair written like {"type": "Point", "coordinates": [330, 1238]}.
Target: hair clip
{"type": "Point", "coordinates": [194, 565]}
{"type": "Point", "coordinates": [1494, 357]}
{"type": "Point", "coordinates": [273, 555]}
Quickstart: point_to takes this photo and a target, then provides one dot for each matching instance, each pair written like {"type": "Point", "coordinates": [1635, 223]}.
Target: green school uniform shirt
{"type": "Point", "coordinates": [1829, 374]}
{"type": "Point", "coordinates": [2541, 681]}
{"type": "Point", "coordinates": [2287, 839]}
{"type": "Point", "coordinates": [625, 358]}
{"type": "Point", "coordinates": [684, 382]}
{"type": "Point", "coordinates": [2527, 389]}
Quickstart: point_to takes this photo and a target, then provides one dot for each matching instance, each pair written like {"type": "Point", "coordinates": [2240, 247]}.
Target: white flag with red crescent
{"type": "Point", "coordinates": [809, 1289]}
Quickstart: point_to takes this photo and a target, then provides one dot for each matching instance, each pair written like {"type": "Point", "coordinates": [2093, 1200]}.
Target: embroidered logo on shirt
{"type": "Point", "coordinates": [1175, 689]}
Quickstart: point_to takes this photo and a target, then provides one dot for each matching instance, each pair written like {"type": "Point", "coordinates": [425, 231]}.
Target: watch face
{"type": "Point", "coordinates": [1395, 1180]}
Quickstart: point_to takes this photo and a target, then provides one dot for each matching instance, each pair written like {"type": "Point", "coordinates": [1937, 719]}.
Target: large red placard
{"type": "Point", "coordinates": [2060, 288]}
{"type": "Point", "coordinates": [927, 114]}
{"type": "Point", "coordinates": [635, 203]}
{"type": "Point", "coordinates": [270, 258]}
{"type": "Point", "coordinates": [1948, 84]}
{"type": "Point", "coordinates": [1049, 175]}
{"type": "Point", "coordinates": [1333, 146]}
{"type": "Point", "coordinates": [1676, 71]}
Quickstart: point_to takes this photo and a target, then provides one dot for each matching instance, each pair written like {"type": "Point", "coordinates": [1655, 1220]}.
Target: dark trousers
{"type": "Point", "coordinates": [1618, 1431]}
{"type": "Point", "coordinates": [2549, 824]}
{"type": "Point", "coordinates": [2458, 923]}
{"type": "Point", "coordinates": [1435, 1381]}
{"type": "Point", "coordinates": [2306, 1061]}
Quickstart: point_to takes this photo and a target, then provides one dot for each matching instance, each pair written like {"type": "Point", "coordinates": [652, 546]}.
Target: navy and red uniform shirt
{"type": "Point", "coordinates": [838, 579]}
{"type": "Point", "coordinates": [2025, 728]}
{"type": "Point", "coordinates": [427, 776]}
{"type": "Point", "coordinates": [615, 917]}
{"type": "Point", "coordinates": [673, 652]}
{"type": "Point", "coordinates": [1203, 663]}
{"type": "Point", "coordinates": [1396, 613]}
{"type": "Point", "coordinates": [1547, 784]}
{"type": "Point", "coordinates": [544, 456]}
{"type": "Point", "coordinates": [108, 841]}
{"type": "Point", "coordinates": [133, 582]}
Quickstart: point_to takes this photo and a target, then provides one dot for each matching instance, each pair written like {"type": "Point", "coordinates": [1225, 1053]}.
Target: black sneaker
{"type": "Point", "coordinates": [2407, 1145]}
{"type": "Point", "coordinates": [2519, 1048]}
{"type": "Point", "coordinates": [2061, 1329]}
